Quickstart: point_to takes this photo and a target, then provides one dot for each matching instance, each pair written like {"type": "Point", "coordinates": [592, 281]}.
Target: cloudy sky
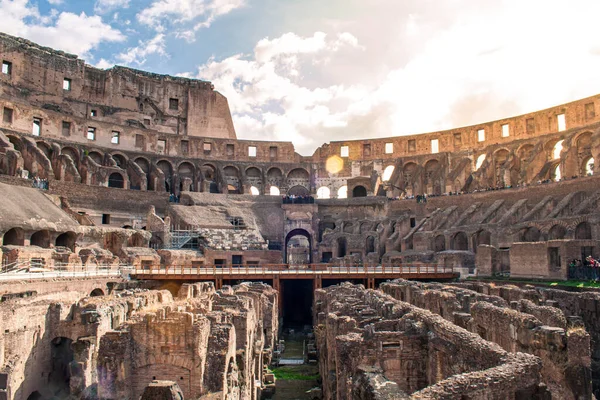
{"type": "Point", "coordinates": [314, 71]}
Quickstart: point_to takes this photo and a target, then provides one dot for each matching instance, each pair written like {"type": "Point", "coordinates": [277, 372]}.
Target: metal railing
{"type": "Point", "coordinates": [28, 270]}
{"type": "Point", "coordinates": [287, 270]}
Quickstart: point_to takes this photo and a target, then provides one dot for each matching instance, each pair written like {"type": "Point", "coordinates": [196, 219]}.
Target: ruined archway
{"type": "Point", "coordinates": [298, 191]}
{"type": "Point", "coordinates": [298, 232]}
{"type": "Point", "coordinates": [97, 292]}
{"type": "Point", "coordinates": [14, 237]}
{"type": "Point", "coordinates": [115, 180]}
{"type": "Point", "coordinates": [67, 240]}
{"type": "Point", "coordinates": [531, 234]}
{"type": "Point", "coordinates": [557, 232]}
{"type": "Point", "coordinates": [40, 239]}
{"type": "Point", "coordinates": [583, 231]}
{"type": "Point", "coordinates": [460, 241]}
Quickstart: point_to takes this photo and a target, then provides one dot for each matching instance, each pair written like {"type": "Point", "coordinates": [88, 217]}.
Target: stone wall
{"type": "Point", "coordinates": [367, 340]}
{"type": "Point", "coordinates": [205, 341]}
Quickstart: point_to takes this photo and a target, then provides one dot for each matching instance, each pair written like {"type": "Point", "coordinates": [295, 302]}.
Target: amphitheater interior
{"type": "Point", "coordinates": [147, 252]}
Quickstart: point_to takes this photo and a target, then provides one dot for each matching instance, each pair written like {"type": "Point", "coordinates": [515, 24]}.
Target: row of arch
{"type": "Point", "coordinates": [41, 238]}
{"type": "Point", "coordinates": [460, 240]}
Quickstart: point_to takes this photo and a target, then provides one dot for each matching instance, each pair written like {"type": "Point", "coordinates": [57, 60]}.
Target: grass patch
{"type": "Point", "coordinates": [294, 374]}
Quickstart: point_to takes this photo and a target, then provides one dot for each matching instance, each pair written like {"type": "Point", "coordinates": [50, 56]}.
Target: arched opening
{"type": "Point", "coordinates": [304, 247]}
{"type": "Point", "coordinates": [61, 355]}
{"type": "Point", "coordinates": [72, 153]}
{"type": "Point", "coordinates": [40, 239]}
{"type": "Point", "coordinates": [298, 191]}
{"type": "Point", "coordinates": [556, 174]}
{"type": "Point", "coordinates": [408, 174]}
{"type": "Point", "coordinates": [145, 167]}
{"type": "Point", "coordinates": [460, 242]}
{"type": "Point", "coordinates": [275, 177]}
{"type": "Point", "coordinates": [254, 191]}
{"type": "Point", "coordinates": [370, 245]}
{"type": "Point", "coordinates": [341, 246]}
{"type": "Point", "coordinates": [323, 192]}
{"type": "Point", "coordinates": [253, 172]}
{"type": "Point", "coordinates": [14, 237]}
{"type": "Point", "coordinates": [342, 192]}
{"type": "Point", "coordinates": [557, 232]}
{"type": "Point", "coordinates": [35, 396]}
{"type": "Point", "coordinates": [432, 180]}
{"type": "Point", "coordinates": [67, 240]}
{"type": "Point", "coordinates": [479, 161]}
{"type": "Point", "coordinates": [588, 166]}
{"type": "Point", "coordinates": [167, 170]}
{"type": "Point", "coordinates": [583, 231]}
{"type": "Point", "coordinates": [531, 234]}
{"type": "Point", "coordinates": [233, 180]}
{"type": "Point", "coordinates": [115, 180]}
{"type": "Point", "coordinates": [120, 160]}
{"type": "Point", "coordinates": [97, 292]}
{"type": "Point", "coordinates": [274, 191]}
{"type": "Point", "coordinates": [482, 237]}
{"type": "Point", "coordinates": [439, 243]}
{"type": "Point", "coordinates": [298, 176]}
{"type": "Point", "coordinates": [45, 148]}
{"type": "Point", "coordinates": [359, 191]}
{"type": "Point", "coordinates": [97, 157]}
{"type": "Point", "coordinates": [16, 142]}
{"type": "Point", "coordinates": [186, 172]}
{"type": "Point", "coordinates": [387, 173]}
{"type": "Point", "coordinates": [557, 149]}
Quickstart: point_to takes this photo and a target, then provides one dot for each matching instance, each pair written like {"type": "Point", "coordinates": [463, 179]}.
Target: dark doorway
{"type": "Point", "coordinates": [236, 260]}
{"type": "Point", "coordinates": [115, 180]}
{"type": "Point", "coordinates": [341, 242]}
{"type": "Point", "coordinates": [60, 378]}
{"type": "Point", "coordinates": [359, 191]}
{"type": "Point", "coordinates": [297, 302]}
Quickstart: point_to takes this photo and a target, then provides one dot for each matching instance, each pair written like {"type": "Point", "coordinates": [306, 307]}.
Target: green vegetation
{"type": "Point", "coordinates": [578, 284]}
{"type": "Point", "coordinates": [293, 373]}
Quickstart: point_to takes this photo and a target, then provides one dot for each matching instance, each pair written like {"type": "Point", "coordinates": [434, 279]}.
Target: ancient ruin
{"type": "Point", "coordinates": [147, 252]}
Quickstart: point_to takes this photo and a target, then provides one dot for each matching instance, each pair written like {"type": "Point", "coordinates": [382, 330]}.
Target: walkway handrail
{"type": "Point", "coordinates": [220, 270]}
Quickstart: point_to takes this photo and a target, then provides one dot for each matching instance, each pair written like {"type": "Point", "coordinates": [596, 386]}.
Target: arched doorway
{"type": "Point", "coordinates": [359, 191]}
{"type": "Point", "coordinates": [97, 292]}
{"type": "Point", "coordinates": [115, 180]}
{"type": "Point", "coordinates": [583, 231]}
{"type": "Point", "coordinates": [40, 239]}
{"type": "Point", "coordinates": [302, 239]}
{"type": "Point", "coordinates": [557, 232]}
{"type": "Point", "coordinates": [460, 241]}
{"type": "Point", "coordinates": [14, 237]}
{"type": "Point", "coordinates": [67, 240]}
{"type": "Point", "coordinates": [531, 234]}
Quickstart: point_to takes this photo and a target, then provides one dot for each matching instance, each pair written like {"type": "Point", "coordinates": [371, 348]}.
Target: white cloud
{"type": "Point", "coordinates": [105, 6]}
{"type": "Point", "coordinates": [55, 2]}
{"type": "Point", "coordinates": [137, 55]}
{"type": "Point", "coordinates": [180, 12]}
{"type": "Point", "coordinates": [435, 69]}
{"type": "Point", "coordinates": [74, 33]}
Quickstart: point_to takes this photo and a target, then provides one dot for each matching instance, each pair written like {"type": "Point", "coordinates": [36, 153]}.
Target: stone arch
{"type": "Point", "coordinates": [96, 156]}
{"type": "Point", "coordinates": [97, 292]}
{"type": "Point", "coordinates": [387, 173]}
{"type": "Point", "coordinates": [40, 239]}
{"type": "Point", "coordinates": [143, 163]}
{"type": "Point", "coordinates": [120, 159]}
{"type": "Point", "coordinates": [500, 158]}
{"type": "Point", "coordinates": [167, 169]}
{"type": "Point", "coordinates": [45, 148]}
{"type": "Point", "coordinates": [232, 177]}
{"type": "Point", "coordinates": [323, 193]}
{"type": "Point", "coordinates": [359, 191]}
{"type": "Point", "coordinates": [186, 170]}
{"type": "Point", "coordinates": [253, 172]}
{"type": "Point", "coordinates": [439, 243]}
{"type": "Point", "coordinates": [583, 231]}
{"type": "Point", "coordinates": [209, 174]}
{"type": "Point", "coordinates": [116, 180]}
{"type": "Point", "coordinates": [432, 179]}
{"type": "Point", "coordinates": [555, 171]}
{"type": "Point", "coordinates": [557, 232]}
{"type": "Point", "coordinates": [274, 177]}
{"type": "Point", "coordinates": [460, 241]}
{"type": "Point", "coordinates": [16, 142]}
{"type": "Point", "coordinates": [583, 142]}
{"type": "Point", "coordinates": [298, 177]}
{"type": "Point", "coordinates": [274, 191]}
{"type": "Point", "coordinates": [298, 232]}
{"type": "Point", "coordinates": [14, 237]}
{"type": "Point", "coordinates": [409, 172]}
{"type": "Point", "coordinates": [531, 234]}
{"type": "Point", "coordinates": [67, 239]}
{"type": "Point", "coordinates": [525, 151]}
{"type": "Point", "coordinates": [71, 152]}
{"type": "Point", "coordinates": [342, 192]}
{"type": "Point", "coordinates": [298, 190]}
{"type": "Point", "coordinates": [554, 148]}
